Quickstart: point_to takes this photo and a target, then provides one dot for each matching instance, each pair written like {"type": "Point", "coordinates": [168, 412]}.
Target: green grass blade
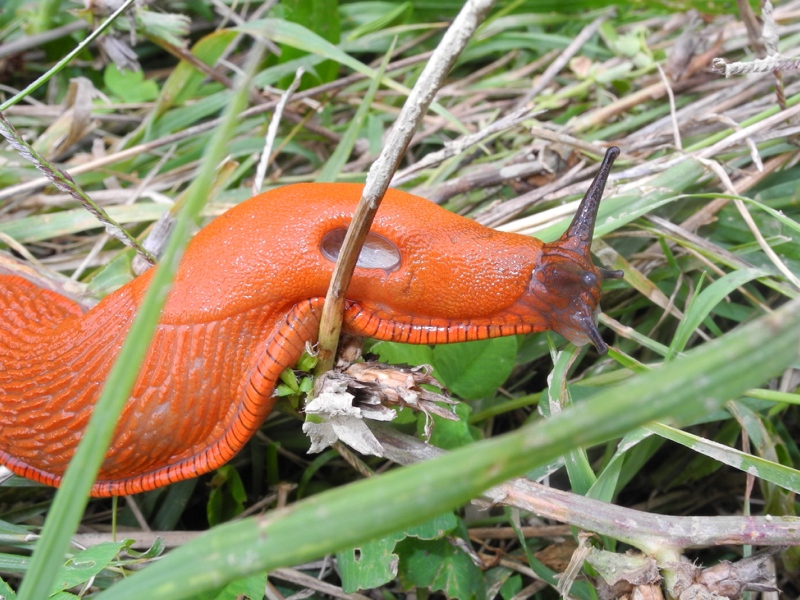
{"type": "Point", "coordinates": [705, 302]}
{"type": "Point", "coordinates": [685, 389]}
{"type": "Point", "coordinates": [59, 66]}
{"type": "Point", "coordinates": [786, 477]}
{"type": "Point", "coordinates": [297, 36]}
{"type": "Point", "coordinates": [581, 475]}
{"type": "Point", "coordinates": [66, 222]}
{"type": "Point", "coordinates": [65, 514]}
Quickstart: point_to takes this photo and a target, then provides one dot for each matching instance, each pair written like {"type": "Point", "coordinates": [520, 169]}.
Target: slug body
{"type": "Point", "coordinates": [246, 299]}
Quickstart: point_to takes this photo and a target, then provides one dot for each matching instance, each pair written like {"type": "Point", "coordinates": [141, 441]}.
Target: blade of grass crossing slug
{"type": "Point", "coordinates": [71, 498]}
{"type": "Point", "coordinates": [685, 389]}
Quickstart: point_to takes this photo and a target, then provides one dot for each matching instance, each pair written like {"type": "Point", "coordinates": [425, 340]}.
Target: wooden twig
{"type": "Point", "coordinates": [430, 80]}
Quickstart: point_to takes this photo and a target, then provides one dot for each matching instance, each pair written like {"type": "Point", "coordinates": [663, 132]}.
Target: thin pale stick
{"type": "Point", "coordinates": [430, 80]}
{"type": "Point", "coordinates": [272, 131]}
{"type": "Point", "coordinates": [65, 61]}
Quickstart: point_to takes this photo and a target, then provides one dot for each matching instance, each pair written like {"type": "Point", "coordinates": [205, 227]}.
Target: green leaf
{"type": "Point", "coordinates": [511, 587]}
{"type": "Point", "coordinates": [227, 496]}
{"type": "Point", "coordinates": [448, 434]}
{"type": "Point", "coordinates": [438, 565]}
{"type": "Point", "coordinates": [6, 592]}
{"type": "Point", "coordinates": [113, 275]}
{"type": "Point", "coordinates": [86, 564]}
{"type": "Point", "coordinates": [374, 563]}
{"type": "Point", "coordinates": [475, 370]}
{"type": "Point", "coordinates": [321, 17]}
{"type": "Point", "coordinates": [247, 588]}
{"type": "Point", "coordinates": [395, 353]}
{"type": "Point", "coordinates": [369, 565]}
{"type": "Point", "coordinates": [130, 86]}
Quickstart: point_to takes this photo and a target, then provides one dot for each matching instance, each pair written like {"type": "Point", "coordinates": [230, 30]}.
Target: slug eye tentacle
{"type": "Point", "coordinates": [578, 235]}
{"type": "Point", "coordinates": [606, 274]}
{"type": "Point", "coordinates": [568, 272]}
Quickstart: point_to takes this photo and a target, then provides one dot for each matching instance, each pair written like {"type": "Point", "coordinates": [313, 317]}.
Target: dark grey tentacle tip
{"type": "Point", "coordinates": [591, 331]}
{"type": "Point", "coordinates": [610, 274]}
{"type": "Point", "coordinates": [581, 229]}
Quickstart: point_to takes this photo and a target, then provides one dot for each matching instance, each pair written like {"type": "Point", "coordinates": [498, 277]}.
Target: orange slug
{"type": "Point", "coordinates": [246, 299]}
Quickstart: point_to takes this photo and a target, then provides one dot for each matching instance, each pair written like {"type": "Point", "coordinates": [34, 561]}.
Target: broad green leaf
{"type": "Point", "coordinates": [374, 563]}
{"type": "Point", "coordinates": [447, 434]}
{"type": "Point", "coordinates": [511, 587]}
{"type": "Point", "coordinates": [395, 353]}
{"type": "Point", "coordinates": [369, 565]}
{"type": "Point", "coordinates": [439, 566]}
{"type": "Point", "coordinates": [475, 370]}
{"type": "Point", "coordinates": [6, 592]}
{"type": "Point", "coordinates": [86, 564]}
{"type": "Point", "coordinates": [130, 86]}
{"type": "Point", "coordinates": [113, 275]}
{"type": "Point", "coordinates": [247, 588]}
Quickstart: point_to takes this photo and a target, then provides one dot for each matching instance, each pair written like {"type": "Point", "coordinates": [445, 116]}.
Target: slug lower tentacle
{"type": "Point", "coordinates": [246, 299]}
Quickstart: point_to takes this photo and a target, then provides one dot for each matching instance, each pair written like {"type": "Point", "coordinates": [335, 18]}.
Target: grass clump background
{"type": "Point", "coordinates": [679, 444]}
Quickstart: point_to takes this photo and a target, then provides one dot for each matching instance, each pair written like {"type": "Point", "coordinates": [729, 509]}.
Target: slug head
{"type": "Point", "coordinates": [568, 276]}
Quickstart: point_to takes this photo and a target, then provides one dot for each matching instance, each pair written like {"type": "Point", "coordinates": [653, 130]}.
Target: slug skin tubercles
{"type": "Point", "coordinates": [246, 300]}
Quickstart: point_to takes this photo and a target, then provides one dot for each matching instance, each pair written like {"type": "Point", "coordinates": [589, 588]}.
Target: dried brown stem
{"type": "Point", "coordinates": [643, 530]}
{"type": "Point", "coordinates": [430, 80]}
